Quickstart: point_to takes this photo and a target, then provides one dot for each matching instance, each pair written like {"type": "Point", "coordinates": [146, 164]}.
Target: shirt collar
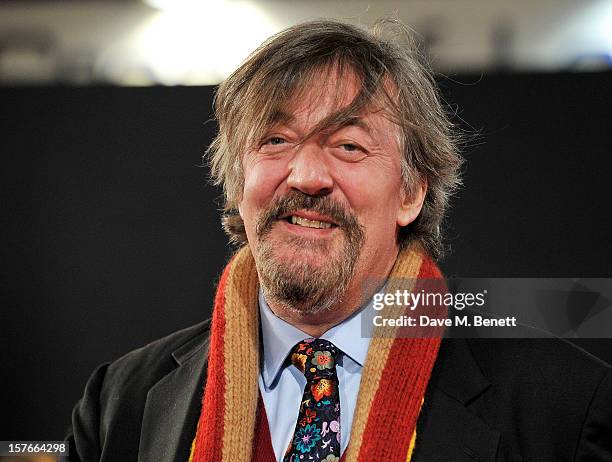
{"type": "Point", "coordinates": [279, 337]}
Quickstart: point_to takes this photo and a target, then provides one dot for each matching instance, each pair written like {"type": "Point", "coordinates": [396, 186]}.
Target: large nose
{"type": "Point", "coordinates": [309, 172]}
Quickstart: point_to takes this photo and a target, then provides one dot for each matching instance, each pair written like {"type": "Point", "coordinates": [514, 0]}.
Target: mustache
{"type": "Point", "coordinates": [296, 200]}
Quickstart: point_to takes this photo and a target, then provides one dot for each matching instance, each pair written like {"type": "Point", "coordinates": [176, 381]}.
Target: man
{"type": "Point", "coordinates": [337, 163]}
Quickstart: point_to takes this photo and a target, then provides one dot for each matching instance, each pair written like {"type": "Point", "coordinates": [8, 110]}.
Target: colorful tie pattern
{"type": "Point", "coordinates": [317, 431]}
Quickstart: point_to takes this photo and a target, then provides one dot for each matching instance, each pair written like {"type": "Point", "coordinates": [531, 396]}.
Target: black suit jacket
{"type": "Point", "coordinates": [487, 400]}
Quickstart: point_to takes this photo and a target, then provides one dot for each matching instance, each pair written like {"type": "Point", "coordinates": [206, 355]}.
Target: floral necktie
{"type": "Point", "coordinates": [317, 431]}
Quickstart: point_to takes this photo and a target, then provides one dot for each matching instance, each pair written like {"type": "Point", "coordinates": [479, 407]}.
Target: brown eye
{"type": "Point", "coordinates": [349, 147]}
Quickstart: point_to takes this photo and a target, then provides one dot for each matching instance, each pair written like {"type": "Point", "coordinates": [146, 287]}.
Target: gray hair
{"type": "Point", "coordinates": [390, 70]}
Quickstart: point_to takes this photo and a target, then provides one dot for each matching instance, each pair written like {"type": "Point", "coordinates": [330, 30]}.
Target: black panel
{"type": "Point", "coordinates": [112, 237]}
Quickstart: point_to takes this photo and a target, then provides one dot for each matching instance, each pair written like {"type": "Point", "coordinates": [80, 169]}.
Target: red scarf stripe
{"type": "Point", "coordinates": [209, 438]}
{"type": "Point", "coordinates": [401, 389]}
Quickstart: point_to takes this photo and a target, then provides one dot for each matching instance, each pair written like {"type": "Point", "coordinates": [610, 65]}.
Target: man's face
{"type": "Point", "coordinates": [321, 214]}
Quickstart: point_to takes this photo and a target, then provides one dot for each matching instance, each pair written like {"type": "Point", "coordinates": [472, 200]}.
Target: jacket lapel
{"type": "Point", "coordinates": [173, 406]}
{"type": "Point", "coordinates": [448, 429]}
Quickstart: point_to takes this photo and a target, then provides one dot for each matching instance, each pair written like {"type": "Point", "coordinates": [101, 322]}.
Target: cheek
{"type": "Point", "coordinates": [261, 180]}
{"type": "Point", "coordinates": [371, 190]}
{"type": "Point", "coordinates": [375, 199]}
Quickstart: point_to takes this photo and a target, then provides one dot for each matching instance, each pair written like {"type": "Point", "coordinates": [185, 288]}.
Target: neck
{"type": "Point", "coordinates": [314, 324]}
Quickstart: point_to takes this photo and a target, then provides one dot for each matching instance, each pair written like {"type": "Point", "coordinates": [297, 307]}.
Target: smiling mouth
{"type": "Point", "coordinates": [301, 221]}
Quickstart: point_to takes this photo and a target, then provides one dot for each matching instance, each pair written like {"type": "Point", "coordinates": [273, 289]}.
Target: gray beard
{"type": "Point", "coordinates": [300, 288]}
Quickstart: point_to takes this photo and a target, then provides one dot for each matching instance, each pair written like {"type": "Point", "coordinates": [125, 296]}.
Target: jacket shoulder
{"type": "Point", "coordinates": [156, 358]}
{"type": "Point", "coordinates": [538, 384]}
{"type": "Point", "coordinates": [537, 357]}
{"type": "Point", "coordinates": [107, 420]}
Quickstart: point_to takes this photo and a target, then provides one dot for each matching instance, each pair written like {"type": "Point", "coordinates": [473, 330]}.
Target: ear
{"type": "Point", "coordinates": [410, 206]}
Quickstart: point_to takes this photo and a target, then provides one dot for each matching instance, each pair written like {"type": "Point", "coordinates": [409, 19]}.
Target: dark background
{"type": "Point", "coordinates": [112, 236]}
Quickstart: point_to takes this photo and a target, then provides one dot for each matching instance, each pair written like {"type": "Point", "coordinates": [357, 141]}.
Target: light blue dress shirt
{"type": "Point", "coordinates": [282, 385]}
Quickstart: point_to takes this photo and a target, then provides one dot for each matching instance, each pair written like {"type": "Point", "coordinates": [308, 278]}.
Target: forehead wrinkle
{"type": "Point", "coordinates": [351, 115]}
{"type": "Point", "coordinates": [346, 115]}
{"type": "Point", "coordinates": [355, 121]}
{"type": "Point", "coordinates": [332, 122]}
{"type": "Point", "coordinates": [340, 119]}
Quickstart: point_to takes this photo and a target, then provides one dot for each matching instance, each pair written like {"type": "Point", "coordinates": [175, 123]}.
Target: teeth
{"type": "Point", "coordinates": [309, 223]}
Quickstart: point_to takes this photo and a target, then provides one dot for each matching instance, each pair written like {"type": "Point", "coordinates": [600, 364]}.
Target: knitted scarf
{"type": "Point", "coordinates": [393, 380]}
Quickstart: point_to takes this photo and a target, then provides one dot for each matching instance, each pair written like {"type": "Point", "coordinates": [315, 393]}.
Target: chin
{"type": "Point", "coordinates": [306, 281]}
{"type": "Point", "coordinates": [314, 252]}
